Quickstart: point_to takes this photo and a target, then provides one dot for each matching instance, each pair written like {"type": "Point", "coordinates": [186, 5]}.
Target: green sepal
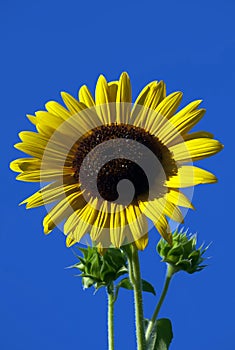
{"type": "Point", "coordinates": [87, 282]}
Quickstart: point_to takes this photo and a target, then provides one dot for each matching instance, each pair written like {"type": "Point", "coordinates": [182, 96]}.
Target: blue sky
{"type": "Point", "coordinates": [49, 46]}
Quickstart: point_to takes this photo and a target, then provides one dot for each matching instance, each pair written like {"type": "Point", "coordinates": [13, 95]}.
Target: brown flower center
{"type": "Point", "coordinates": [108, 168]}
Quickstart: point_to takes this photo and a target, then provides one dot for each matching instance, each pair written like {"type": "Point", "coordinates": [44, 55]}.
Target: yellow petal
{"type": "Point", "coordinates": [178, 198]}
{"type": "Point", "coordinates": [117, 225]}
{"type": "Point", "coordinates": [191, 107]}
{"type": "Point", "coordinates": [142, 242]}
{"type": "Point", "coordinates": [33, 137]}
{"type": "Point", "coordinates": [144, 93]}
{"type": "Point", "coordinates": [102, 100]}
{"type": "Point", "coordinates": [25, 164]}
{"type": "Point", "coordinates": [48, 119]}
{"type": "Point", "coordinates": [157, 207]}
{"type": "Point", "coordinates": [156, 95]}
{"type": "Point", "coordinates": [163, 228]}
{"type": "Point", "coordinates": [113, 88]}
{"type": "Point", "coordinates": [65, 130]}
{"type": "Point", "coordinates": [103, 242]}
{"type": "Point", "coordinates": [35, 151]}
{"type": "Point", "coordinates": [198, 134]}
{"type": "Point", "coordinates": [147, 114]}
{"type": "Point", "coordinates": [86, 97]}
{"type": "Point", "coordinates": [81, 214]}
{"type": "Point", "coordinates": [84, 219]}
{"type": "Point", "coordinates": [176, 128]}
{"type": "Point", "coordinates": [124, 89]}
{"type": "Point", "coordinates": [195, 149]}
{"type": "Point", "coordinates": [137, 222]}
{"type": "Point", "coordinates": [169, 105]}
{"type": "Point", "coordinates": [44, 175]}
{"type": "Point", "coordinates": [171, 210]}
{"type": "Point", "coordinates": [56, 109]}
{"type": "Point", "coordinates": [101, 221]}
{"type": "Point", "coordinates": [187, 117]}
{"type": "Point", "coordinates": [56, 144]}
{"type": "Point", "coordinates": [185, 122]}
{"type": "Point", "coordinates": [188, 176]}
{"type": "Point", "coordinates": [62, 210]}
{"type": "Point", "coordinates": [32, 119]}
{"type": "Point", "coordinates": [164, 111]}
{"type": "Point", "coordinates": [139, 102]}
{"type": "Point", "coordinates": [37, 146]}
{"type": "Point", "coordinates": [150, 210]}
{"type": "Point", "coordinates": [72, 104]}
{"type": "Point", "coordinates": [70, 240]}
{"type": "Point", "coordinates": [49, 194]}
{"type": "Point", "coordinates": [123, 106]}
{"type": "Point", "coordinates": [154, 211]}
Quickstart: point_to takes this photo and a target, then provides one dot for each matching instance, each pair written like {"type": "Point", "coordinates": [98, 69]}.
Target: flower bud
{"type": "Point", "coordinates": [182, 254]}
{"type": "Point", "coordinates": [100, 270]}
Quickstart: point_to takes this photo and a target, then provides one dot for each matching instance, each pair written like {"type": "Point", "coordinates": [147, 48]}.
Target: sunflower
{"type": "Point", "coordinates": [110, 165]}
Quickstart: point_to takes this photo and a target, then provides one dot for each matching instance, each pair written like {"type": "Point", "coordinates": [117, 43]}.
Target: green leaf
{"type": "Point", "coordinates": [125, 283]}
{"type": "Point", "coordinates": [162, 336]}
{"type": "Point", "coordinates": [147, 287]}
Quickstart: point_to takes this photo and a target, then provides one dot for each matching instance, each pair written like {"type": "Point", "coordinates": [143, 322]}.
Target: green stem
{"type": "Point", "coordinates": [110, 318]}
{"type": "Point", "coordinates": [135, 278]}
{"type": "Point", "coordinates": [170, 272]}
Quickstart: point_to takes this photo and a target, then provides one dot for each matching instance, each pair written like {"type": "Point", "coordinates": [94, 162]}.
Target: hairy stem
{"type": "Point", "coordinates": [110, 318]}
{"type": "Point", "coordinates": [135, 278]}
{"type": "Point", "coordinates": [151, 325]}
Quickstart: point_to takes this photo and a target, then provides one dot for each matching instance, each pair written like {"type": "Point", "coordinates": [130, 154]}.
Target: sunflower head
{"type": "Point", "coordinates": [182, 254]}
{"type": "Point", "coordinates": [100, 270]}
{"type": "Point", "coordinates": [111, 164]}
